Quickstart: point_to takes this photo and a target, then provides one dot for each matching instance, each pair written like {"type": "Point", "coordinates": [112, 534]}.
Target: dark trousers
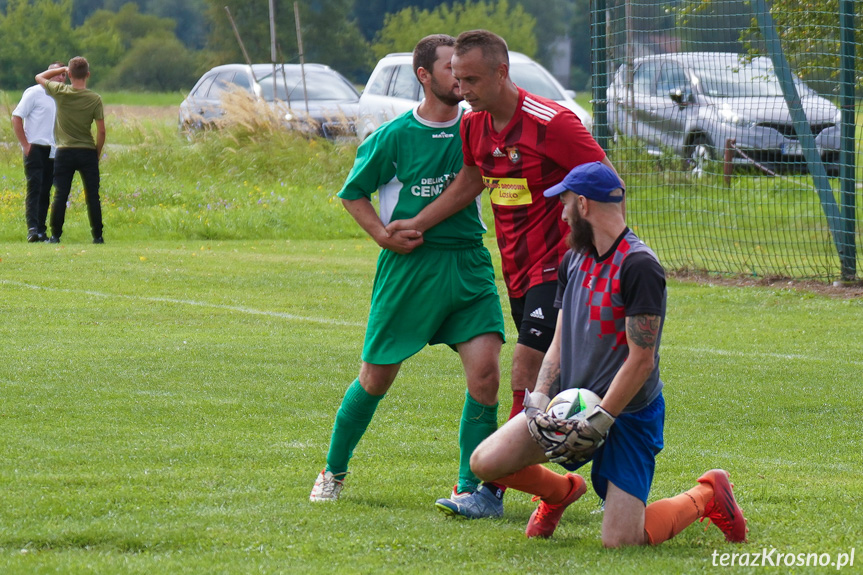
{"type": "Point", "coordinates": [39, 171]}
{"type": "Point", "coordinates": [85, 161]}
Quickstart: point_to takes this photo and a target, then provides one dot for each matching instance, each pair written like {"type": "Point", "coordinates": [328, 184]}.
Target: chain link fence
{"type": "Point", "coordinates": [735, 130]}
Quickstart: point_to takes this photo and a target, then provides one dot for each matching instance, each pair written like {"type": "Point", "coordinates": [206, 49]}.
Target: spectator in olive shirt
{"type": "Point", "coordinates": [77, 109]}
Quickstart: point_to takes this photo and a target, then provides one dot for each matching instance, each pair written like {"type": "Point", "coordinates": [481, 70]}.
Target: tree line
{"type": "Point", "coordinates": [165, 45]}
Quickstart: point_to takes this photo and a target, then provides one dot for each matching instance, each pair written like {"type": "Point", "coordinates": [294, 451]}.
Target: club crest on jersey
{"type": "Point", "coordinates": [513, 154]}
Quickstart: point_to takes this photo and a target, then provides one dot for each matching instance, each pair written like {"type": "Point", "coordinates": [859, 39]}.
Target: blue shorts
{"type": "Point", "coordinates": [628, 456]}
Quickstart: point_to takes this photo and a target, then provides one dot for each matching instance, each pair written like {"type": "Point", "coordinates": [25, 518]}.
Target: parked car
{"type": "Point", "coordinates": [393, 88]}
{"type": "Point", "coordinates": [692, 103]}
{"type": "Point", "coordinates": [332, 99]}
{"type": "Point", "coordinates": [829, 143]}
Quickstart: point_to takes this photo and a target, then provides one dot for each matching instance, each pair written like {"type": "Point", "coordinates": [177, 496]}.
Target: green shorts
{"type": "Point", "coordinates": [429, 296]}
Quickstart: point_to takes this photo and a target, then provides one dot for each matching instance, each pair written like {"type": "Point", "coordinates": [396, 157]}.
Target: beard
{"type": "Point", "coordinates": [580, 238]}
{"type": "Point", "coordinates": [450, 98]}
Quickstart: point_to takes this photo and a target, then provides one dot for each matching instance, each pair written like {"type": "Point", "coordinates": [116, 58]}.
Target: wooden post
{"type": "Point", "coordinates": [728, 163]}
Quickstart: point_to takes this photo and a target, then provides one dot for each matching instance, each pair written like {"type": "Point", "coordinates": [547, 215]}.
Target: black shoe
{"type": "Point", "coordinates": [53, 240]}
{"type": "Point", "coordinates": [98, 240]}
{"type": "Point", "coordinates": [32, 235]}
{"type": "Point", "coordinates": [43, 237]}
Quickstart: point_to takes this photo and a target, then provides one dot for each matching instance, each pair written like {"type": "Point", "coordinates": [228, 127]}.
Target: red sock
{"type": "Point", "coordinates": [517, 403]}
{"type": "Point", "coordinates": [666, 518]}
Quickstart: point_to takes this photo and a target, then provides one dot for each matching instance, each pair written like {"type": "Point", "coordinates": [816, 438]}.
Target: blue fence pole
{"type": "Point", "coordinates": [599, 71]}
{"type": "Point", "coordinates": [847, 170]}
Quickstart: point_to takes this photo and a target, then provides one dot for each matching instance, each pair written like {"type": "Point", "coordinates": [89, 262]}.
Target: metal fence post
{"type": "Point", "coordinates": [847, 171]}
{"type": "Point", "coordinates": [599, 72]}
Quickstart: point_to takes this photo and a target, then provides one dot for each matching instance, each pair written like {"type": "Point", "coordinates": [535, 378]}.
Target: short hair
{"type": "Point", "coordinates": [494, 48]}
{"type": "Point", "coordinates": [79, 67]}
{"type": "Point", "coordinates": [56, 64]}
{"type": "Point", "coordinates": [425, 52]}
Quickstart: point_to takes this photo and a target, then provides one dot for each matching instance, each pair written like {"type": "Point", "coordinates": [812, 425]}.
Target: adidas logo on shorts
{"type": "Point", "coordinates": [537, 313]}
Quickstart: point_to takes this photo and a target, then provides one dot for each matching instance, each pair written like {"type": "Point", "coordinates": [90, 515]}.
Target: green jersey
{"type": "Point", "coordinates": [76, 111]}
{"type": "Point", "coordinates": [409, 161]}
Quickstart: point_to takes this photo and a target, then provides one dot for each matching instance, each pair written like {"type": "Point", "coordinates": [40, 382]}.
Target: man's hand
{"type": "Point", "coordinates": [48, 74]}
{"type": "Point", "coordinates": [402, 241]}
{"type": "Point", "coordinates": [543, 427]}
{"type": "Point", "coordinates": [535, 404]}
{"type": "Point", "coordinates": [583, 436]}
{"type": "Point", "coordinates": [18, 129]}
{"type": "Point", "coordinates": [535, 401]}
{"type": "Point", "coordinates": [401, 225]}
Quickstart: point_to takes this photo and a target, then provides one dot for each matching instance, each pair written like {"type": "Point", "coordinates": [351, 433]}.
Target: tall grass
{"type": "Point", "coordinates": [117, 98]}
{"type": "Point", "coordinates": [239, 182]}
{"type": "Point", "coordinates": [253, 179]}
{"type": "Point", "coordinates": [142, 98]}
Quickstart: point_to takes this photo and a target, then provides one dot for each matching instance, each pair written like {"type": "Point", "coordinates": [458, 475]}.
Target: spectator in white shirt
{"type": "Point", "coordinates": [33, 124]}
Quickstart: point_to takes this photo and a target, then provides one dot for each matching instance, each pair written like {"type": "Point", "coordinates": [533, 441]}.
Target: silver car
{"type": "Point", "coordinates": [393, 88]}
{"type": "Point", "coordinates": [326, 102]}
{"type": "Point", "coordinates": [694, 103]}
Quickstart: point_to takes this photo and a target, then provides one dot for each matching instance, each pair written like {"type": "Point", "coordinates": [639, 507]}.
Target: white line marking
{"type": "Point", "coordinates": [789, 356]}
{"type": "Point", "coordinates": [240, 309]}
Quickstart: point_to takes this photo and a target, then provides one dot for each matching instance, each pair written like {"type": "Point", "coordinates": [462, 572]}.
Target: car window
{"type": "Point", "coordinates": [382, 80]}
{"type": "Point", "coordinates": [319, 86]}
{"type": "Point", "coordinates": [644, 80]}
{"type": "Point", "coordinates": [620, 75]}
{"type": "Point", "coordinates": [740, 81]}
{"type": "Point", "coordinates": [201, 90]}
{"type": "Point", "coordinates": [533, 79]}
{"type": "Point", "coordinates": [671, 77]}
{"type": "Point", "coordinates": [223, 80]}
{"type": "Point", "coordinates": [241, 79]}
{"type": "Point", "coordinates": [405, 84]}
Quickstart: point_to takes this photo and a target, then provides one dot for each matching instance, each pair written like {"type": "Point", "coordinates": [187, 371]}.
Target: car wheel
{"type": "Point", "coordinates": [700, 154]}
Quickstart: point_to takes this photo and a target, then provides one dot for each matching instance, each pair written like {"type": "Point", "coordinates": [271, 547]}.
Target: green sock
{"type": "Point", "coordinates": [478, 421]}
{"type": "Point", "coordinates": [356, 412]}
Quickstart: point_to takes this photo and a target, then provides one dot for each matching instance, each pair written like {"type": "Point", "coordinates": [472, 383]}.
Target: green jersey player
{"type": "Point", "coordinates": [431, 288]}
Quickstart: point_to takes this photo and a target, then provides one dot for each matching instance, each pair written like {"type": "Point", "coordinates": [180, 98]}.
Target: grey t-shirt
{"type": "Point", "coordinates": [596, 294]}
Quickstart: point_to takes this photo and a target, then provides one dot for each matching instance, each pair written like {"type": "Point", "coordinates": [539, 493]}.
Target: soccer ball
{"type": "Point", "coordinates": [568, 404]}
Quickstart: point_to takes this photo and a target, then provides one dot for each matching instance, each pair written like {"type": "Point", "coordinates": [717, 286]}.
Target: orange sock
{"type": "Point", "coordinates": [666, 518]}
{"type": "Point", "coordinates": [551, 487]}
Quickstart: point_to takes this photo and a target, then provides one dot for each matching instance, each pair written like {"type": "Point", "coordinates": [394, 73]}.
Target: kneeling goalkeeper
{"type": "Point", "coordinates": [612, 300]}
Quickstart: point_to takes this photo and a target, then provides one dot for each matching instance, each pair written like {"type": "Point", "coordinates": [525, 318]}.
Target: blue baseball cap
{"type": "Point", "coordinates": [594, 181]}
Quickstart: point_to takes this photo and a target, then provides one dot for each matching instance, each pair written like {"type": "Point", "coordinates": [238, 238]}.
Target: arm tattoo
{"type": "Point", "coordinates": [642, 330]}
{"type": "Point", "coordinates": [548, 380]}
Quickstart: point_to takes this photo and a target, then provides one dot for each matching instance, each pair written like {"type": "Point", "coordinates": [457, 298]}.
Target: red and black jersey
{"type": "Point", "coordinates": [538, 147]}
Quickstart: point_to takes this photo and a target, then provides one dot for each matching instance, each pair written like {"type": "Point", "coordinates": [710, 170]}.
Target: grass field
{"type": "Point", "coordinates": [167, 405]}
{"type": "Point", "coordinates": [168, 397]}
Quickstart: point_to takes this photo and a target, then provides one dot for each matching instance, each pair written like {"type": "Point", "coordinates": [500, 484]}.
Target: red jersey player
{"type": "Point", "coordinates": [517, 145]}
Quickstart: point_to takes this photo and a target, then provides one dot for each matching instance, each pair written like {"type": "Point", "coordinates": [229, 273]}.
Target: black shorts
{"type": "Point", "coordinates": [535, 316]}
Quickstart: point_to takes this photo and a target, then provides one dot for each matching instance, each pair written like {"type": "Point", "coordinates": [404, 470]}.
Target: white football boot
{"type": "Point", "coordinates": [327, 487]}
